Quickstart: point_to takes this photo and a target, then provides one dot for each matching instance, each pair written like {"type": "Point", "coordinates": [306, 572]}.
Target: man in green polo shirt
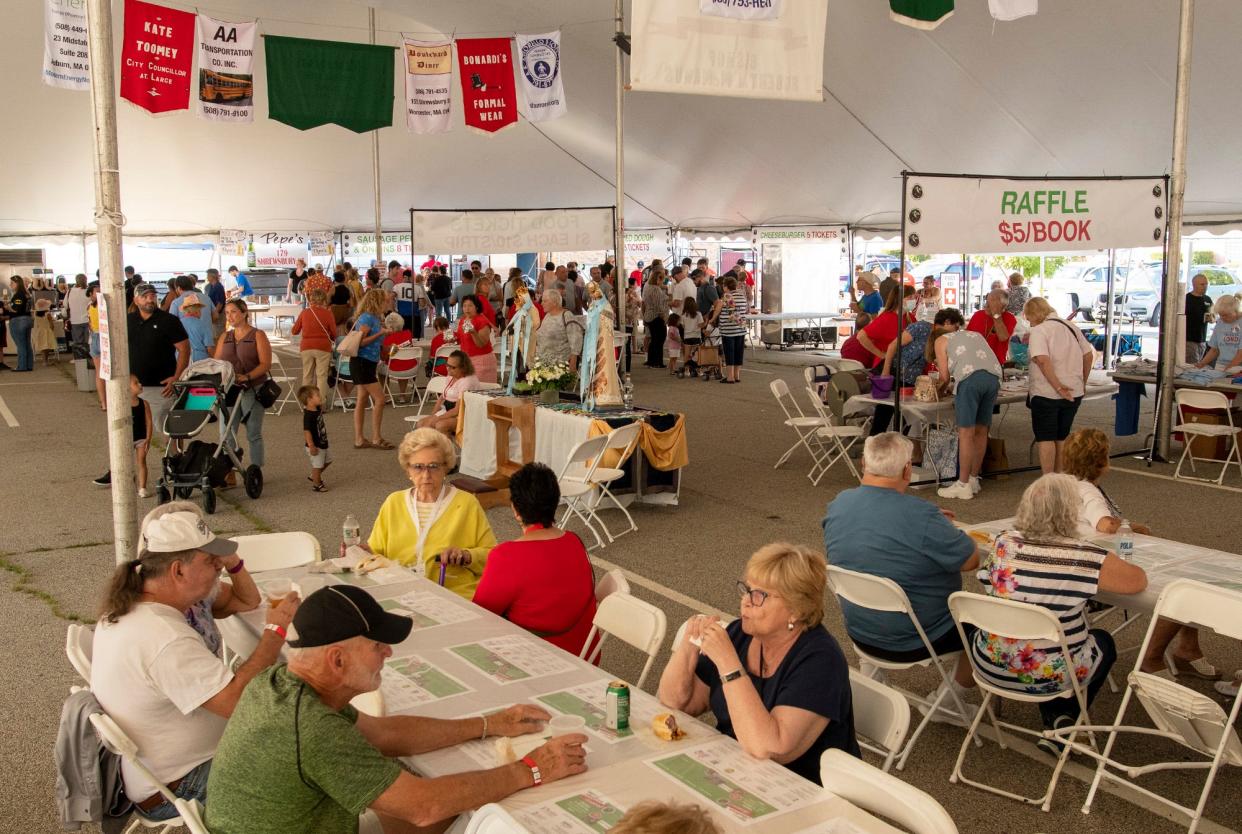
{"type": "Point", "coordinates": [296, 757]}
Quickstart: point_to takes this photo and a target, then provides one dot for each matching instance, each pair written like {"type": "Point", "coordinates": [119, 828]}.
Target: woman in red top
{"type": "Point", "coordinates": [474, 335]}
{"type": "Point", "coordinates": [871, 343]}
{"type": "Point", "coordinates": [317, 326]}
{"type": "Point", "coordinates": [541, 581]}
{"type": "Point", "coordinates": [397, 336]}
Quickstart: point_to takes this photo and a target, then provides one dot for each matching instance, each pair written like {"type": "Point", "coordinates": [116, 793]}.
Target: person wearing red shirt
{"type": "Point", "coordinates": [995, 324]}
{"type": "Point", "coordinates": [398, 336]}
{"type": "Point", "coordinates": [317, 328]}
{"type": "Point", "coordinates": [474, 336]}
{"type": "Point", "coordinates": [438, 366]}
{"type": "Point", "coordinates": [870, 344]}
{"type": "Point", "coordinates": [542, 580]}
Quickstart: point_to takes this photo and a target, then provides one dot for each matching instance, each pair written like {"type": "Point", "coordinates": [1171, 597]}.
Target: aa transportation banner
{"type": "Point", "coordinates": [990, 215]}
{"type": "Point", "coordinates": [489, 96]}
{"type": "Point", "coordinates": [65, 60]}
{"type": "Point", "coordinates": [428, 74]}
{"type": "Point", "coordinates": [539, 59]}
{"type": "Point", "coordinates": [157, 56]}
{"type": "Point", "coordinates": [225, 77]}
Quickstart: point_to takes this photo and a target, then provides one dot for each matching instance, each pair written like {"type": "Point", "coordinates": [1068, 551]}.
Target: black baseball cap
{"type": "Point", "coordinates": [339, 612]}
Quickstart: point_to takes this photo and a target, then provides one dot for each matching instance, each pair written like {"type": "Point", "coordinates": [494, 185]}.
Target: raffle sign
{"type": "Point", "coordinates": [225, 77]}
{"type": "Point", "coordinates": [428, 75]}
{"type": "Point", "coordinates": [946, 213]}
{"type": "Point", "coordinates": [742, 9]}
{"type": "Point", "coordinates": [66, 63]}
{"type": "Point", "coordinates": [157, 57]}
{"type": "Point", "coordinates": [539, 59]}
{"type": "Point", "coordinates": [489, 95]}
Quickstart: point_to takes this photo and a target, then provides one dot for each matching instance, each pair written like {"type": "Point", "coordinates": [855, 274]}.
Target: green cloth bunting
{"type": "Point", "coordinates": [312, 83]}
{"type": "Point", "coordinates": [921, 14]}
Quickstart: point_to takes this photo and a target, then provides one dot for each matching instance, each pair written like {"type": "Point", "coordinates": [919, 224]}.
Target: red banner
{"type": "Point", "coordinates": [157, 57]}
{"type": "Point", "coordinates": [489, 95]}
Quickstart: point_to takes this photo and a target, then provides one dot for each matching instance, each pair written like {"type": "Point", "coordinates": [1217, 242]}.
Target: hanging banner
{"type": "Point", "coordinates": [645, 245]}
{"type": "Point", "coordinates": [920, 14]}
{"type": "Point", "coordinates": [1006, 10]}
{"type": "Point", "coordinates": [489, 96]}
{"type": "Point", "coordinates": [66, 62]}
{"type": "Point", "coordinates": [428, 74]}
{"type": "Point", "coordinates": [359, 247]}
{"type": "Point", "coordinates": [157, 57]}
{"type": "Point", "coordinates": [991, 215]}
{"type": "Point", "coordinates": [742, 9]}
{"type": "Point", "coordinates": [225, 76]}
{"type": "Point", "coordinates": [313, 82]}
{"type": "Point", "coordinates": [500, 232]}
{"type": "Point", "coordinates": [232, 242]}
{"type": "Point", "coordinates": [799, 234]}
{"type": "Point", "coordinates": [321, 244]}
{"type": "Point", "coordinates": [278, 250]}
{"type": "Point", "coordinates": [105, 340]}
{"type": "Point", "coordinates": [950, 289]}
{"type": "Point", "coordinates": [676, 49]}
{"type": "Point", "coordinates": [539, 58]}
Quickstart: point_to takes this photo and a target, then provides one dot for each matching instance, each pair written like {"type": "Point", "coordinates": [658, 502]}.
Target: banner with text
{"type": "Point", "coordinates": [742, 9]}
{"type": "Point", "coordinates": [66, 62]}
{"type": "Point", "coordinates": [646, 244]}
{"type": "Point", "coordinates": [428, 75]}
{"type": "Point", "coordinates": [232, 242]}
{"type": "Point", "coordinates": [993, 215]}
{"type": "Point", "coordinates": [278, 250]}
{"type": "Point", "coordinates": [499, 232]}
{"type": "Point", "coordinates": [539, 58]}
{"type": "Point", "coordinates": [157, 56]}
{"type": "Point", "coordinates": [321, 244]}
{"type": "Point", "coordinates": [359, 247]}
{"type": "Point", "coordinates": [799, 234]}
{"type": "Point", "coordinates": [489, 96]}
{"type": "Point", "coordinates": [677, 49]}
{"type": "Point", "coordinates": [225, 77]}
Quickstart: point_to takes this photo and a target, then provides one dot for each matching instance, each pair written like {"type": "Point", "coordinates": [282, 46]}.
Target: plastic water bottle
{"type": "Point", "coordinates": [351, 534]}
{"type": "Point", "coordinates": [1125, 542]}
{"type": "Point", "coordinates": [627, 392]}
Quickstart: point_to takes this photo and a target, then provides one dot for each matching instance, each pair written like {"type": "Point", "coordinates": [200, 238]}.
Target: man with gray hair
{"type": "Point", "coordinates": [560, 333]}
{"type": "Point", "coordinates": [876, 528]}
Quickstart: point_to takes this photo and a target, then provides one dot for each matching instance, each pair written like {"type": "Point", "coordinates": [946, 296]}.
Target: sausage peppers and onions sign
{"type": "Point", "coordinates": [993, 215]}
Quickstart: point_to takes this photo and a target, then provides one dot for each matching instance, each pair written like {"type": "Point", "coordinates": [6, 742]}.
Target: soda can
{"type": "Point", "coordinates": [617, 711]}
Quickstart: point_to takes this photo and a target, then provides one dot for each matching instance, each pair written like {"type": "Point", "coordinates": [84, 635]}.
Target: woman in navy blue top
{"type": "Point", "coordinates": [775, 679]}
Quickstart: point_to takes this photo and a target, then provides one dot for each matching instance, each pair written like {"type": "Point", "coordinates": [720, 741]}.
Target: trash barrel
{"type": "Point", "coordinates": [84, 375]}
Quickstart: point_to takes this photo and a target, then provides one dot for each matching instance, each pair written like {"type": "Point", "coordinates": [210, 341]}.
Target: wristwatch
{"type": "Point", "coordinates": [731, 676]}
{"type": "Point", "coordinates": [534, 770]}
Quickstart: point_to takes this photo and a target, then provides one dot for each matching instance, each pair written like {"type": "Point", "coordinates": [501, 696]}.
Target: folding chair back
{"type": "Point", "coordinates": [879, 593]}
{"type": "Point", "coordinates": [1192, 718]}
{"type": "Point", "coordinates": [1199, 400]}
{"type": "Point", "coordinates": [277, 551]}
{"type": "Point", "coordinates": [1007, 617]}
{"type": "Point", "coordinates": [434, 388]}
{"type": "Point", "coordinates": [630, 619]}
{"type": "Point", "coordinates": [610, 583]}
{"type": "Point", "coordinates": [881, 717]}
{"type": "Point", "coordinates": [876, 791]}
{"type": "Point", "coordinates": [79, 641]}
{"type": "Point", "coordinates": [785, 400]}
{"type": "Point", "coordinates": [115, 739]}
{"type": "Point", "coordinates": [583, 459]}
{"type": "Point", "coordinates": [625, 438]}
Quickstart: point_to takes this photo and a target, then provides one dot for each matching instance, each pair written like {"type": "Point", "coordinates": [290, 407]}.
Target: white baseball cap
{"type": "Point", "coordinates": [185, 531]}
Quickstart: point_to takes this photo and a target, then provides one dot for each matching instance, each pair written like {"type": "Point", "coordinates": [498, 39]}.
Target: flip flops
{"type": "Point", "coordinates": [382, 444]}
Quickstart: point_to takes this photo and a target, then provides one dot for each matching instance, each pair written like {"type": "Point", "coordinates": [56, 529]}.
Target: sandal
{"type": "Point", "coordinates": [382, 444]}
{"type": "Point", "coordinates": [319, 487]}
{"type": "Point", "coordinates": [365, 444]}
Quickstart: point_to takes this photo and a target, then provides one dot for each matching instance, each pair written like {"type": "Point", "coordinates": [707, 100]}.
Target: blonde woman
{"type": "Point", "coordinates": [364, 369]}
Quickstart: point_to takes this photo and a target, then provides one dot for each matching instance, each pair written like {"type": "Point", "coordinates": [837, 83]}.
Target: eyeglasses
{"type": "Point", "coordinates": [757, 597]}
{"type": "Point", "coordinates": [425, 467]}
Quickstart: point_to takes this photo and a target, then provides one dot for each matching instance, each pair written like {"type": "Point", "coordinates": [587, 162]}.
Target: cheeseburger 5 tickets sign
{"type": "Point", "coordinates": [945, 213]}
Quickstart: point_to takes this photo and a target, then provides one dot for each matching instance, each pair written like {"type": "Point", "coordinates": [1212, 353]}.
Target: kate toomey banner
{"type": "Point", "coordinates": [489, 96]}
{"type": "Point", "coordinates": [678, 49]}
{"type": "Point", "coordinates": [539, 59]}
{"type": "Point", "coordinates": [742, 9]}
{"type": "Point", "coordinates": [428, 75]}
{"type": "Point", "coordinates": [65, 60]}
{"type": "Point", "coordinates": [993, 215]}
{"type": "Point", "coordinates": [157, 56]}
{"type": "Point", "coordinates": [225, 74]}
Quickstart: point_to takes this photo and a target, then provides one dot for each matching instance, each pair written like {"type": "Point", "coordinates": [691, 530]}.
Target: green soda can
{"type": "Point", "coordinates": [617, 711]}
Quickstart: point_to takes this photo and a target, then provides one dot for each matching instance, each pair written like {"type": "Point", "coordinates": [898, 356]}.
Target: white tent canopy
{"type": "Point", "coordinates": [1079, 89]}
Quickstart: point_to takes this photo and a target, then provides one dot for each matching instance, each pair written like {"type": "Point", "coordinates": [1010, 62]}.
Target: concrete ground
{"type": "Point", "coordinates": [56, 556]}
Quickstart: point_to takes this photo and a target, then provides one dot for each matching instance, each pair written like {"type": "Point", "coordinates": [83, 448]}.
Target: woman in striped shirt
{"type": "Point", "coordinates": [1043, 562]}
{"type": "Point", "coordinates": [729, 314]}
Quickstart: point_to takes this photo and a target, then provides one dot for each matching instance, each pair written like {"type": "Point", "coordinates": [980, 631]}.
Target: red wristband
{"type": "Point", "coordinates": [534, 770]}
{"type": "Point", "coordinates": [279, 629]}
{"type": "Point", "coordinates": [241, 563]}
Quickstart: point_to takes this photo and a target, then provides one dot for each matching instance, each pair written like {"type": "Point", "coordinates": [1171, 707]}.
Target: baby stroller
{"type": "Point", "coordinates": [708, 356]}
{"type": "Point", "coordinates": [205, 394]}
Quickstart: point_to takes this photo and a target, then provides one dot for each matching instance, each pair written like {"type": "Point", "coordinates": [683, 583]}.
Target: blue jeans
{"type": "Point", "coordinates": [20, 327]}
{"type": "Point", "coordinates": [252, 414]}
{"type": "Point", "coordinates": [193, 786]}
{"type": "Point", "coordinates": [444, 307]}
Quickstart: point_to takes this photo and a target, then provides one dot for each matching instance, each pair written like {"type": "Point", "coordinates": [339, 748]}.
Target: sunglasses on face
{"type": "Point", "coordinates": [756, 596]}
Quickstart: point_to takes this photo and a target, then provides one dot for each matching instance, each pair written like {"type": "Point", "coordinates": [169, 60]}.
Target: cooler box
{"type": "Point", "coordinates": [1210, 448]}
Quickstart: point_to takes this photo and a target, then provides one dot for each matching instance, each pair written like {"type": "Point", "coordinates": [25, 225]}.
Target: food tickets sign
{"type": "Point", "coordinates": [994, 215]}
{"type": "Point", "coordinates": [157, 56]}
{"type": "Point", "coordinates": [527, 230]}
{"type": "Point", "coordinates": [489, 95]}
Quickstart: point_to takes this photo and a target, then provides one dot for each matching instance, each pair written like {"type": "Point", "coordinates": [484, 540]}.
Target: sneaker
{"type": "Point", "coordinates": [1229, 688]}
{"type": "Point", "coordinates": [1050, 745]}
{"type": "Point", "coordinates": [946, 713]}
{"type": "Point", "coordinates": [975, 485]}
{"type": "Point", "coordinates": [104, 480]}
{"type": "Point", "coordinates": [957, 489]}
{"type": "Point", "coordinates": [142, 493]}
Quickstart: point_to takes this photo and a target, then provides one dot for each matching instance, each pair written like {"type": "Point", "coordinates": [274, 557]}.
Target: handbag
{"type": "Point", "coordinates": [350, 344]}
{"type": "Point", "coordinates": [941, 453]}
{"type": "Point", "coordinates": [268, 393]}
{"type": "Point", "coordinates": [925, 389]}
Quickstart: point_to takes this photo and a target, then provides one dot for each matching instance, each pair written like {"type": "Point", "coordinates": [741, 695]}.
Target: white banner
{"type": "Point", "coordinates": [232, 242]}
{"type": "Point", "coordinates": [105, 340]}
{"type": "Point", "coordinates": [742, 9]}
{"type": "Point", "coordinates": [225, 76]}
{"type": "Point", "coordinates": [800, 234]}
{"type": "Point", "coordinates": [498, 232]}
{"type": "Point", "coordinates": [278, 250]}
{"type": "Point", "coordinates": [677, 49]}
{"type": "Point", "coordinates": [66, 63]}
{"type": "Point", "coordinates": [539, 62]}
{"type": "Point", "coordinates": [994, 215]}
{"type": "Point", "coordinates": [321, 244]}
{"type": "Point", "coordinates": [359, 247]}
{"type": "Point", "coordinates": [428, 76]}
{"type": "Point", "coordinates": [646, 244]}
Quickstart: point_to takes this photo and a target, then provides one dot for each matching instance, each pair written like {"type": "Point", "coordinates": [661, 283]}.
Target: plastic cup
{"type": "Point", "coordinates": [565, 724]}
{"type": "Point", "coordinates": [276, 590]}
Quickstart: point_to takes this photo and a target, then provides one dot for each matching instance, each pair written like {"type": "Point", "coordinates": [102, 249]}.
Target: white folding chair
{"type": "Point", "coordinates": [1018, 621]}
{"type": "Point", "coordinates": [625, 441]}
{"type": "Point", "coordinates": [576, 484]}
{"type": "Point", "coordinates": [277, 551]}
{"type": "Point", "coordinates": [802, 425]}
{"type": "Point", "coordinates": [404, 353]}
{"type": "Point", "coordinates": [79, 640]}
{"type": "Point", "coordinates": [343, 375]}
{"type": "Point", "coordinates": [881, 793]}
{"type": "Point", "coordinates": [115, 739]}
{"type": "Point", "coordinates": [493, 819]}
{"type": "Point", "coordinates": [432, 390]}
{"type": "Point", "coordinates": [881, 717]}
{"type": "Point", "coordinates": [630, 620]}
{"type": "Point", "coordinates": [1180, 714]}
{"type": "Point", "coordinates": [832, 446]}
{"type": "Point", "coordinates": [879, 593]}
{"type": "Point", "coordinates": [610, 583]}
{"type": "Point", "coordinates": [288, 384]}
{"type": "Point", "coordinates": [1186, 398]}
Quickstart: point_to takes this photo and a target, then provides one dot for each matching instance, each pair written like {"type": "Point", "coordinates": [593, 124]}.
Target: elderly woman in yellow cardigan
{"type": "Point", "coordinates": [433, 518]}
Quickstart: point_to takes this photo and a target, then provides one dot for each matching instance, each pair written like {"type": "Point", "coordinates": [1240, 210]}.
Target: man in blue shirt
{"type": "Point", "coordinates": [243, 288]}
{"type": "Point", "coordinates": [869, 299]}
{"type": "Point", "coordinates": [878, 529]}
{"type": "Point", "coordinates": [196, 321]}
{"type": "Point", "coordinates": [215, 294]}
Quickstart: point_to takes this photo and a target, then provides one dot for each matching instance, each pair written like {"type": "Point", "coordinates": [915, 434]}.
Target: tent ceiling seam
{"type": "Point", "coordinates": [867, 128]}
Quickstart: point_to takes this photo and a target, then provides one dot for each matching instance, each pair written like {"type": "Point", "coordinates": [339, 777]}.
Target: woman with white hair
{"type": "Point", "coordinates": [1222, 351]}
{"type": "Point", "coordinates": [1042, 561]}
{"type": "Point", "coordinates": [559, 340]}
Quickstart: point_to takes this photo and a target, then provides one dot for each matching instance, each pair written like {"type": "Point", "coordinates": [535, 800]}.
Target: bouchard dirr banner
{"type": "Point", "coordinates": [428, 73]}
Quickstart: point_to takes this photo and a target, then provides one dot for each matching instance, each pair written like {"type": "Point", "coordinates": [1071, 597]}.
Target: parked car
{"type": "Point", "coordinates": [1081, 288]}
{"type": "Point", "coordinates": [981, 277]}
{"type": "Point", "coordinates": [1221, 281]}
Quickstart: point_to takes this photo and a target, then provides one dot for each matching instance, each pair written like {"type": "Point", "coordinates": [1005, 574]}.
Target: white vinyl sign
{"type": "Point", "coordinates": [742, 9]}
{"type": "Point", "coordinates": [995, 215]}
{"type": "Point", "coordinates": [800, 234]}
{"type": "Point", "coordinates": [225, 76]}
{"type": "Point", "coordinates": [66, 63]}
{"type": "Point", "coordinates": [539, 76]}
{"type": "Point", "coordinates": [497, 232]}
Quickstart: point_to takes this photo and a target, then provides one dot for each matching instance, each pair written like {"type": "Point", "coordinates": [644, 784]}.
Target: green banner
{"type": "Point", "coordinates": [312, 83]}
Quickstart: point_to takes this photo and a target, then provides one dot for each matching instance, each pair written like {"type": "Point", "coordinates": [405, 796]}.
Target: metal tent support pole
{"type": "Point", "coordinates": [620, 282]}
{"type": "Point", "coordinates": [1108, 310]}
{"type": "Point", "coordinates": [108, 221]}
{"type": "Point", "coordinates": [375, 171]}
{"type": "Point", "coordinates": [1177, 196]}
{"type": "Point", "coordinates": [901, 307]}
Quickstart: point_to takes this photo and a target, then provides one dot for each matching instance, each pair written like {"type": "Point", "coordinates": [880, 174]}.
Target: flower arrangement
{"type": "Point", "coordinates": [551, 376]}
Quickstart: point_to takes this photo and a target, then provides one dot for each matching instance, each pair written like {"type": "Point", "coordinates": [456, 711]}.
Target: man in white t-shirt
{"type": "Point", "coordinates": [683, 288]}
{"type": "Point", "coordinates": [78, 303]}
{"type": "Point", "coordinates": [153, 673]}
{"type": "Point", "coordinates": [1061, 359]}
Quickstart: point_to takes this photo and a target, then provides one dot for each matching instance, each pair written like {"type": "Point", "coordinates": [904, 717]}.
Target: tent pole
{"type": "Point", "coordinates": [620, 281]}
{"type": "Point", "coordinates": [375, 170]}
{"type": "Point", "coordinates": [108, 222]}
{"type": "Point", "coordinates": [1109, 287]}
{"type": "Point", "coordinates": [1171, 304]}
